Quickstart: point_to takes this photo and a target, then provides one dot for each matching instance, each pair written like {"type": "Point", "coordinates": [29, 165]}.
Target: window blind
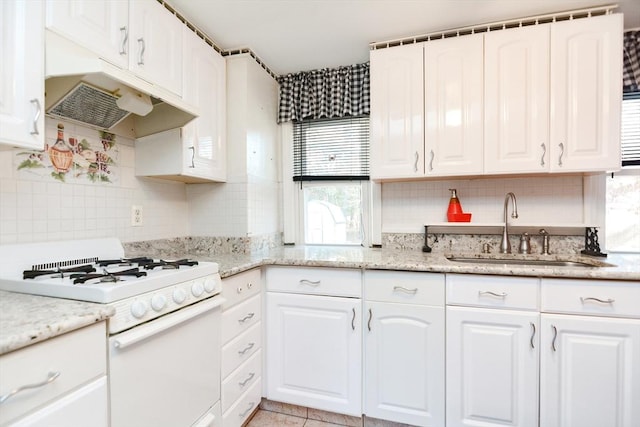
{"type": "Point", "coordinates": [630, 132]}
{"type": "Point", "coordinates": [331, 149]}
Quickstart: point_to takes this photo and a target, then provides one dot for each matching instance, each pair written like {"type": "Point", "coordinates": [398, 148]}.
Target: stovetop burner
{"type": "Point", "coordinates": [101, 271]}
{"type": "Point", "coordinates": [58, 272]}
{"type": "Point", "coordinates": [124, 261]}
{"type": "Point", "coordinates": [170, 264]}
{"type": "Point", "coordinates": [107, 276]}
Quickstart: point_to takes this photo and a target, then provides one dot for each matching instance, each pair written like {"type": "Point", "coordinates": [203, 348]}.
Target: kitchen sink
{"type": "Point", "coordinates": [532, 262]}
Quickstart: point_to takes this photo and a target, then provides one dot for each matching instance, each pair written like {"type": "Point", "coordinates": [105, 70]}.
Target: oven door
{"type": "Point", "coordinates": [166, 372]}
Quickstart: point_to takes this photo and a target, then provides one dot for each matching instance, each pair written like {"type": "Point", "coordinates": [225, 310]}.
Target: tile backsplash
{"type": "Point", "coordinates": [557, 200]}
{"type": "Point", "coordinates": [87, 192]}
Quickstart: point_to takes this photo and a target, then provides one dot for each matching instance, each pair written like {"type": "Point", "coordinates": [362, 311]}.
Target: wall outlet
{"type": "Point", "coordinates": [136, 216]}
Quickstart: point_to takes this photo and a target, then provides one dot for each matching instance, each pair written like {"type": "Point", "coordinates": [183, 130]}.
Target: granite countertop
{"type": "Point", "coordinates": [621, 266]}
{"type": "Point", "coordinates": [28, 319]}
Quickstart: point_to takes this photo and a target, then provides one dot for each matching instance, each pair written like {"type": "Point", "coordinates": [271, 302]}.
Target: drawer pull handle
{"type": "Point", "coordinates": [602, 301]}
{"type": "Point", "coordinates": [249, 378]}
{"type": "Point", "coordinates": [310, 282]}
{"type": "Point", "coordinates": [555, 336]}
{"type": "Point", "coordinates": [125, 38]}
{"type": "Point", "coordinates": [142, 47]}
{"type": "Point", "coordinates": [247, 317]}
{"type": "Point", "coordinates": [533, 334]}
{"type": "Point", "coordinates": [51, 377]}
{"type": "Point", "coordinates": [493, 294]}
{"type": "Point", "coordinates": [353, 319]}
{"type": "Point", "coordinates": [243, 414]}
{"type": "Point", "coordinates": [369, 321]}
{"type": "Point", "coordinates": [405, 290]}
{"type": "Point", "coordinates": [247, 348]}
{"type": "Point", "coordinates": [36, 102]}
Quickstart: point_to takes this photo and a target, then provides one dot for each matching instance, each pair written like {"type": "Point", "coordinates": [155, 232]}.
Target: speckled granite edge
{"type": "Point", "coordinates": [28, 319]}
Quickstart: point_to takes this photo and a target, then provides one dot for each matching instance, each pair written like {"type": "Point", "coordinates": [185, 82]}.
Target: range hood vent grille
{"type": "Point", "coordinates": [90, 105]}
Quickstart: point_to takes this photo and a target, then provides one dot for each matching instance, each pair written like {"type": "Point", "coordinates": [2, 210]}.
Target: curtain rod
{"type": "Point", "coordinates": [497, 25]}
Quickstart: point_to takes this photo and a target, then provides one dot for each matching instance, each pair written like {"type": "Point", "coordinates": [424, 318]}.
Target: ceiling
{"type": "Point", "coordinates": [299, 35]}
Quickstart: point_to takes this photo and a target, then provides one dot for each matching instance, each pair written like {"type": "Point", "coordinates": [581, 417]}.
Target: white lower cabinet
{"type": "Point", "coordinates": [590, 364]}
{"type": "Point", "coordinates": [404, 347]}
{"type": "Point", "coordinates": [492, 351]}
{"type": "Point", "coordinates": [63, 392]}
{"type": "Point", "coordinates": [492, 367]}
{"type": "Point", "coordinates": [241, 366]}
{"type": "Point", "coordinates": [314, 341]}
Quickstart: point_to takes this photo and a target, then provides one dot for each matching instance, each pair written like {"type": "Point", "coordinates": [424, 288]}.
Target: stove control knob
{"type": "Point", "coordinates": [139, 309]}
{"type": "Point", "coordinates": [179, 295]}
{"type": "Point", "coordinates": [209, 284]}
{"type": "Point", "coordinates": [197, 289]}
{"type": "Point", "coordinates": [158, 302]}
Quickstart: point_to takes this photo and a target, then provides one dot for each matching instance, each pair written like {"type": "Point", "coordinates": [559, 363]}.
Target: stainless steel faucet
{"type": "Point", "coordinates": [505, 245]}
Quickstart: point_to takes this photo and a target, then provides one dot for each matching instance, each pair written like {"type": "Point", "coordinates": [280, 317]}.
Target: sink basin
{"type": "Point", "coordinates": [533, 262]}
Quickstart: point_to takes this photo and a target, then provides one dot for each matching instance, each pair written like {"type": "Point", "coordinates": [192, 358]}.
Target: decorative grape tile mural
{"type": "Point", "coordinates": [91, 157]}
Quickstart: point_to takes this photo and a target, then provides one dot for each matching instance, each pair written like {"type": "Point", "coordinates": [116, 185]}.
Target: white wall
{"type": "Point", "coordinates": [36, 207]}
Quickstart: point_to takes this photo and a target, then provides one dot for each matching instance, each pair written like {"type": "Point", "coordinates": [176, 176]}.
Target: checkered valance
{"type": "Point", "coordinates": [325, 93]}
{"type": "Point", "coordinates": [631, 71]}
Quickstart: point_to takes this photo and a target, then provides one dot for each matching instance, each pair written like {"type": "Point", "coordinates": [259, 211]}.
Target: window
{"type": "Point", "coordinates": [623, 188]}
{"type": "Point", "coordinates": [331, 164]}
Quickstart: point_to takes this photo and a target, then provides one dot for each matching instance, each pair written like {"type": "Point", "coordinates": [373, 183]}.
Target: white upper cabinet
{"type": "Point", "coordinates": [542, 98]}
{"type": "Point", "coordinates": [102, 26]}
{"type": "Point", "coordinates": [156, 44]}
{"type": "Point", "coordinates": [204, 138]}
{"type": "Point", "coordinates": [586, 94]}
{"type": "Point", "coordinates": [22, 74]}
{"type": "Point", "coordinates": [140, 35]}
{"type": "Point", "coordinates": [453, 82]}
{"type": "Point", "coordinates": [397, 112]}
{"type": "Point", "coordinates": [517, 100]}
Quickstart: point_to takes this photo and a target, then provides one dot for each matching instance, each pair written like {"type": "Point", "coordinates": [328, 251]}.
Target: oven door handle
{"type": "Point", "coordinates": [158, 325]}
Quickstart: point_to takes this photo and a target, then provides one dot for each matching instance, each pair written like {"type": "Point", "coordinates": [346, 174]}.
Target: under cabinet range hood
{"type": "Point", "coordinates": [84, 88]}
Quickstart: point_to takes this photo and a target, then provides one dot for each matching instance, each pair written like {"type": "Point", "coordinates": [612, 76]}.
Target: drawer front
{"type": "Point", "coordinates": [240, 287]}
{"type": "Point", "coordinates": [404, 287]}
{"type": "Point", "coordinates": [241, 379]}
{"type": "Point", "coordinates": [32, 365]}
{"type": "Point", "coordinates": [240, 318]}
{"type": "Point", "coordinates": [521, 293]}
{"type": "Point", "coordinates": [240, 349]}
{"type": "Point", "coordinates": [244, 407]}
{"type": "Point", "coordinates": [315, 281]}
{"type": "Point", "coordinates": [594, 297]}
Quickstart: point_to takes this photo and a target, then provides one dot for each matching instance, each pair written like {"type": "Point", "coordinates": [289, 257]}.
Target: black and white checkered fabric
{"type": "Point", "coordinates": [325, 93]}
{"type": "Point", "coordinates": [631, 70]}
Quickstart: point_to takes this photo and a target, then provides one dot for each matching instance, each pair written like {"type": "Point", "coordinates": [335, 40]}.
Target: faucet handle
{"type": "Point", "coordinates": [545, 241]}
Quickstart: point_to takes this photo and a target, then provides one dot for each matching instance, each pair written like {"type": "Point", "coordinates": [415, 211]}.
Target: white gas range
{"type": "Point", "coordinates": [167, 321]}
